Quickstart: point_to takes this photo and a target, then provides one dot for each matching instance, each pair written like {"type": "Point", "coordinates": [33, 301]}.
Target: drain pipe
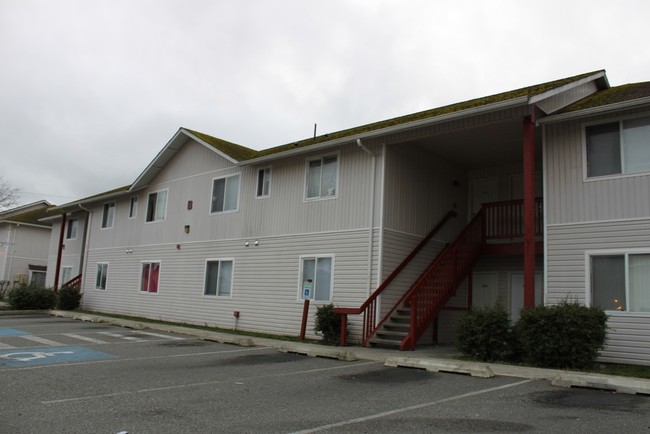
{"type": "Point", "coordinates": [371, 223]}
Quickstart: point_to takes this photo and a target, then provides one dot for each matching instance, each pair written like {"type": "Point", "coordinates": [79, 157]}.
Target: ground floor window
{"type": "Point", "coordinates": [66, 274]}
{"type": "Point", "coordinates": [218, 277]}
{"type": "Point", "coordinates": [318, 270]}
{"type": "Point", "coordinates": [150, 276]}
{"type": "Point", "coordinates": [101, 276]}
{"type": "Point", "coordinates": [37, 278]}
{"type": "Point", "coordinates": [621, 282]}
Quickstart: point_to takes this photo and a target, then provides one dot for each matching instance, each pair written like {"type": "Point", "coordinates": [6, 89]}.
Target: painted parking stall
{"type": "Point", "coordinates": [26, 357]}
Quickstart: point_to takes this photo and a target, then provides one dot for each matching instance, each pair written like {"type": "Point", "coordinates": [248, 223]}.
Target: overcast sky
{"type": "Point", "coordinates": [90, 90]}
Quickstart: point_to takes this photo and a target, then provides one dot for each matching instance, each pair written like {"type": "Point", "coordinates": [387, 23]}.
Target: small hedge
{"type": "Point", "coordinates": [485, 334]}
{"type": "Point", "coordinates": [68, 299]}
{"type": "Point", "coordinates": [565, 336]}
{"type": "Point", "coordinates": [27, 297]}
{"type": "Point", "coordinates": [328, 324]}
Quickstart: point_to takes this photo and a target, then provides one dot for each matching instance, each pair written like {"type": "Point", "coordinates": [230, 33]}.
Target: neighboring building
{"type": "Point", "coordinates": [215, 233]}
{"type": "Point", "coordinates": [24, 242]}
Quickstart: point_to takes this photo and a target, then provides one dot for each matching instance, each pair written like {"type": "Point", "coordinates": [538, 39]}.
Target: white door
{"type": "Point", "coordinates": [483, 190]}
{"type": "Point", "coordinates": [517, 293]}
{"type": "Point", "coordinates": [485, 289]}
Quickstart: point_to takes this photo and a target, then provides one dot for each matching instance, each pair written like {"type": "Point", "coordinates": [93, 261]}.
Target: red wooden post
{"type": "Point", "coordinates": [344, 329]}
{"type": "Point", "coordinates": [529, 211]}
{"type": "Point", "coordinates": [305, 312]}
{"type": "Point", "coordinates": [59, 253]}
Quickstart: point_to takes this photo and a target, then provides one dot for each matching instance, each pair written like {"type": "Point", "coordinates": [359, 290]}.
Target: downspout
{"type": "Point", "coordinates": [10, 250]}
{"type": "Point", "coordinates": [83, 260]}
{"type": "Point", "coordinates": [59, 252]}
{"type": "Point", "coordinates": [5, 272]}
{"type": "Point", "coordinates": [371, 223]}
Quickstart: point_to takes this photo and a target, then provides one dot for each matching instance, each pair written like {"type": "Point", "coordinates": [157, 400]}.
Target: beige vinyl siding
{"type": "Point", "coordinates": [71, 253]}
{"type": "Point", "coordinates": [571, 198]}
{"type": "Point", "coordinates": [567, 275]}
{"type": "Point", "coordinates": [265, 281]}
{"type": "Point", "coordinates": [628, 339]}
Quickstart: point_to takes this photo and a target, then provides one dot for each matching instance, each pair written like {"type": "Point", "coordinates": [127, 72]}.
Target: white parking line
{"type": "Point", "coordinates": [159, 335]}
{"type": "Point", "coordinates": [85, 338]}
{"type": "Point", "coordinates": [42, 341]}
{"type": "Point", "coordinates": [412, 407]}
{"type": "Point", "coordinates": [126, 338]}
{"type": "Point", "coordinates": [6, 346]}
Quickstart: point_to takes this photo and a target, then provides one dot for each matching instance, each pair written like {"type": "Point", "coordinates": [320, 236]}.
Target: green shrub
{"type": "Point", "coordinates": [486, 334]}
{"type": "Point", "coordinates": [328, 324]}
{"type": "Point", "coordinates": [566, 336]}
{"type": "Point", "coordinates": [31, 297]}
{"type": "Point", "coordinates": [69, 298]}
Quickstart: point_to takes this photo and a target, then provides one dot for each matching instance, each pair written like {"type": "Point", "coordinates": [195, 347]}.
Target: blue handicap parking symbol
{"type": "Point", "coordinates": [12, 332]}
{"type": "Point", "coordinates": [22, 357]}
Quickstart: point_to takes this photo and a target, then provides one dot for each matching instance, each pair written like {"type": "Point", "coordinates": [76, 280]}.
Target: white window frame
{"type": "Point", "coordinates": [226, 177]}
{"type": "Point", "coordinates": [320, 158]}
{"type": "Point", "coordinates": [142, 264]}
{"type": "Point", "coordinates": [164, 213]}
{"type": "Point", "coordinates": [106, 209]}
{"type": "Point", "coordinates": [613, 252]}
{"type": "Point", "coordinates": [302, 259]}
{"type": "Point", "coordinates": [133, 207]}
{"type": "Point", "coordinates": [585, 165]}
{"type": "Point", "coordinates": [72, 224]}
{"type": "Point", "coordinates": [106, 266]}
{"type": "Point", "coordinates": [63, 270]}
{"type": "Point", "coordinates": [262, 171]}
{"type": "Point", "coordinates": [232, 278]}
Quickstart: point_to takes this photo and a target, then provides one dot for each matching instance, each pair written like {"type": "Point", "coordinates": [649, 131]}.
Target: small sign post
{"type": "Point", "coordinates": [306, 294]}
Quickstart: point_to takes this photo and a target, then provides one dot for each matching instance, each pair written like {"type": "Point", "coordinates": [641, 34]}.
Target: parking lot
{"type": "Point", "coordinates": [60, 375]}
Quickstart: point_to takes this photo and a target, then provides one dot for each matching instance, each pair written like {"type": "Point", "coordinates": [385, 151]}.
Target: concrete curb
{"type": "Point", "coordinates": [413, 360]}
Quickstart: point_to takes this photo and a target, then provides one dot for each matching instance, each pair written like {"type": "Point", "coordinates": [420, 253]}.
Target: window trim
{"type": "Point", "coordinates": [609, 120]}
{"type": "Point", "coordinates": [142, 263]}
{"type": "Point", "coordinates": [68, 226]}
{"type": "Point", "coordinates": [301, 262]}
{"type": "Point", "coordinates": [232, 277]}
{"type": "Point", "coordinates": [612, 252]}
{"type": "Point", "coordinates": [257, 183]}
{"type": "Point", "coordinates": [133, 210]}
{"type": "Point", "coordinates": [108, 204]}
{"type": "Point", "coordinates": [320, 157]}
{"type": "Point", "coordinates": [105, 278]}
{"type": "Point", "coordinates": [164, 218]}
{"type": "Point", "coordinates": [224, 199]}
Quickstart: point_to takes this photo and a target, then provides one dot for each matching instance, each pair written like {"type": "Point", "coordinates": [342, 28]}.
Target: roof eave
{"type": "Point", "coordinates": [600, 78]}
{"type": "Point", "coordinates": [501, 105]}
{"type": "Point", "coordinates": [594, 110]}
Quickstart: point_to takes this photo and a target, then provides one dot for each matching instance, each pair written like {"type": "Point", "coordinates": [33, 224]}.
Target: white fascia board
{"type": "Point", "coordinates": [520, 101]}
{"type": "Point", "coordinates": [210, 147]}
{"type": "Point", "coordinates": [159, 161]}
{"type": "Point", "coordinates": [568, 86]}
{"type": "Point", "coordinates": [595, 110]}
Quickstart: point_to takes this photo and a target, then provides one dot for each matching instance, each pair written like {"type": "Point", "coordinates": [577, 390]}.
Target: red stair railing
{"type": "Point", "coordinates": [506, 219]}
{"type": "Point", "coordinates": [370, 306]}
{"type": "Point", "coordinates": [75, 283]}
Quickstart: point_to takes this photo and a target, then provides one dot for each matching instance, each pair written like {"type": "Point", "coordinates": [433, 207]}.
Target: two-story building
{"type": "Point", "coordinates": [514, 198]}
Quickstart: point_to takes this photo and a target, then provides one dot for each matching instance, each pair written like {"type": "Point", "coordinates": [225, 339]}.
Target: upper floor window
{"type": "Point", "coordinates": [617, 148]}
{"type": "Point", "coordinates": [264, 182]}
{"type": "Point", "coordinates": [225, 194]}
{"type": "Point", "coordinates": [156, 206]}
{"type": "Point", "coordinates": [322, 175]}
{"type": "Point", "coordinates": [133, 207]}
{"type": "Point", "coordinates": [71, 231]}
{"type": "Point", "coordinates": [108, 215]}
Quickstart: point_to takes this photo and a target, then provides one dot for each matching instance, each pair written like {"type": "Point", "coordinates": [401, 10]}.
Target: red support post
{"type": "Point", "coordinates": [344, 329]}
{"type": "Point", "coordinates": [59, 252]}
{"type": "Point", "coordinates": [303, 325]}
{"type": "Point", "coordinates": [529, 211]}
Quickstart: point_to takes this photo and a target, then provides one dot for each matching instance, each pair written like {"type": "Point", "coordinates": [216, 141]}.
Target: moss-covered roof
{"type": "Point", "coordinates": [238, 152]}
{"type": "Point", "coordinates": [30, 217]}
{"type": "Point", "coordinates": [64, 207]}
{"type": "Point", "coordinates": [613, 95]}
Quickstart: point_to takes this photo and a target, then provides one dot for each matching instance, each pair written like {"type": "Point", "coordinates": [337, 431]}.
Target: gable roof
{"type": "Point", "coordinates": [31, 217]}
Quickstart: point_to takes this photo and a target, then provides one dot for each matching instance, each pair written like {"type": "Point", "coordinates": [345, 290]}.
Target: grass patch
{"type": "Point", "coordinates": [288, 338]}
{"type": "Point", "coordinates": [636, 371]}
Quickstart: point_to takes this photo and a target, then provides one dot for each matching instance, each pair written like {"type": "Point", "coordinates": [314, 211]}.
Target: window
{"type": "Point", "coordinates": [102, 274]}
{"type": "Point", "coordinates": [218, 278]}
{"type": "Point", "coordinates": [66, 275]}
{"type": "Point", "coordinates": [322, 177]}
{"type": "Point", "coordinates": [621, 282]}
{"type": "Point", "coordinates": [150, 275]}
{"type": "Point", "coordinates": [107, 216]}
{"type": "Point", "coordinates": [37, 278]}
{"type": "Point", "coordinates": [71, 232]}
{"type": "Point", "coordinates": [618, 148]}
{"type": "Point", "coordinates": [264, 182]}
{"type": "Point", "coordinates": [319, 270]}
{"type": "Point", "coordinates": [225, 194]}
{"type": "Point", "coordinates": [133, 207]}
{"type": "Point", "coordinates": [156, 206]}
